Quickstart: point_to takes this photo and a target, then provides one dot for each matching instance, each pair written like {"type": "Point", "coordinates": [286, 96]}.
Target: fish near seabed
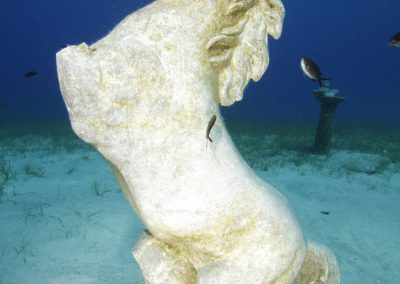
{"type": "Point", "coordinates": [311, 70]}
{"type": "Point", "coordinates": [395, 40]}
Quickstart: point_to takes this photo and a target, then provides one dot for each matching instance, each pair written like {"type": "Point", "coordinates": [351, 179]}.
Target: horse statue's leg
{"type": "Point", "coordinates": [263, 265]}
{"type": "Point", "coordinates": [161, 264]}
{"type": "Point", "coordinates": [320, 266]}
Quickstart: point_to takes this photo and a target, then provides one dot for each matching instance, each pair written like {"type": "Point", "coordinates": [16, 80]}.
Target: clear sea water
{"type": "Point", "coordinates": [48, 235]}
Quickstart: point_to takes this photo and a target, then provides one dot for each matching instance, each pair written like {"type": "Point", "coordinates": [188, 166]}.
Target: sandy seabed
{"type": "Point", "coordinates": [63, 218]}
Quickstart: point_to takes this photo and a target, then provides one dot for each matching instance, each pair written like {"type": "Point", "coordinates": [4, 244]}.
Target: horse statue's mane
{"type": "Point", "coordinates": [239, 50]}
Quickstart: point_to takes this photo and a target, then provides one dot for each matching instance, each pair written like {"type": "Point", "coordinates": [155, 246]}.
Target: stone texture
{"type": "Point", "coordinates": [143, 96]}
{"type": "Point", "coordinates": [319, 267]}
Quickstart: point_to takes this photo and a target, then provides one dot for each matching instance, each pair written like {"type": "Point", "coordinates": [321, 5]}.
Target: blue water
{"type": "Point", "coordinates": [48, 201]}
{"type": "Point", "coordinates": [348, 39]}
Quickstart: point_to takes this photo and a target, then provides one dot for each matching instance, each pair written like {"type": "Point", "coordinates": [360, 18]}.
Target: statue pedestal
{"type": "Point", "coordinates": [329, 102]}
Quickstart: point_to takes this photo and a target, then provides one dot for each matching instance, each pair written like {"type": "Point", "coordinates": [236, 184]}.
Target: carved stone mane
{"type": "Point", "coordinates": [239, 50]}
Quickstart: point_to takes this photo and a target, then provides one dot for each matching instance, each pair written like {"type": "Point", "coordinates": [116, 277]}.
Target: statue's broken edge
{"type": "Point", "coordinates": [144, 96]}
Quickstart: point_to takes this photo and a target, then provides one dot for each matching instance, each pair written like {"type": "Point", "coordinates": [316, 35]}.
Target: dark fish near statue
{"type": "Point", "coordinates": [30, 74]}
{"type": "Point", "coordinates": [210, 126]}
{"type": "Point", "coordinates": [395, 40]}
{"type": "Point", "coordinates": [311, 70]}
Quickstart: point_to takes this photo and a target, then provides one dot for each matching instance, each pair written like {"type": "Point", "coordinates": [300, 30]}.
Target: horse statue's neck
{"type": "Point", "coordinates": [152, 86]}
{"type": "Point", "coordinates": [176, 44]}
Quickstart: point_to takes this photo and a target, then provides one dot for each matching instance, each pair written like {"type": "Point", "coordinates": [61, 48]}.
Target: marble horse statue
{"type": "Point", "coordinates": [147, 96]}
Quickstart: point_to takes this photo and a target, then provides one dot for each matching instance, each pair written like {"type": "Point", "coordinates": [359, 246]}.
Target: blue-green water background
{"type": "Point", "coordinates": [50, 200]}
{"type": "Point", "coordinates": [348, 39]}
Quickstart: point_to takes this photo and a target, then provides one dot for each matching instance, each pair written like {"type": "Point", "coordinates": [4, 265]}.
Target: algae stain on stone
{"type": "Point", "coordinates": [102, 84]}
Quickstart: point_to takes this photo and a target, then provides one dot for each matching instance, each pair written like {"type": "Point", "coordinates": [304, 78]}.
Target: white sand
{"type": "Point", "coordinates": [55, 229]}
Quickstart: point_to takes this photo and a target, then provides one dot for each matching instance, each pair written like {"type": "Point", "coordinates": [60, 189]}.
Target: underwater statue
{"type": "Point", "coordinates": [145, 96]}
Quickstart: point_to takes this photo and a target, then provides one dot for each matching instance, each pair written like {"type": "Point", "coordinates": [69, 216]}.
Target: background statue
{"type": "Point", "coordinates": [143, 96]}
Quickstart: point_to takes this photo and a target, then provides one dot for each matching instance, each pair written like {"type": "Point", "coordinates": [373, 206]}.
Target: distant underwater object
{"type": "Point", "coordinates": [329, 102]}
{"type": "Point", "coordinates": [30, 74]}
{"type": "Point", "coordinates": [311, 70]}
{"type": "Point", "coordinates": [395, 40]}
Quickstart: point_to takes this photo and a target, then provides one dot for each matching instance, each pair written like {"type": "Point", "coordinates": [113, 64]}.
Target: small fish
{"type": "Point", "coordinates": [63, 46]}
{"type": "Point", "coordinates": [325, 212]}
{"type": "Point", "coordinates": [311, 70]}
{"type": "Point", "coordinates": [210, 126]}
{"type": "Point", "coordinates": [30, 74]}
{"type": "Point", "coordinates": [395, 40]}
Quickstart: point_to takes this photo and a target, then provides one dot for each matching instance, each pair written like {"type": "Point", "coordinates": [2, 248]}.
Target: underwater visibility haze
{"type": "Point", "coordinates": [63, 218]}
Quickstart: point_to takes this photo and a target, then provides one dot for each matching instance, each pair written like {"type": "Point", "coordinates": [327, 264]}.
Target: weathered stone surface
{"type": "Point", "coordinates": [143, 96]}
{"type": "Point", "coordinates": [319, 267]}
